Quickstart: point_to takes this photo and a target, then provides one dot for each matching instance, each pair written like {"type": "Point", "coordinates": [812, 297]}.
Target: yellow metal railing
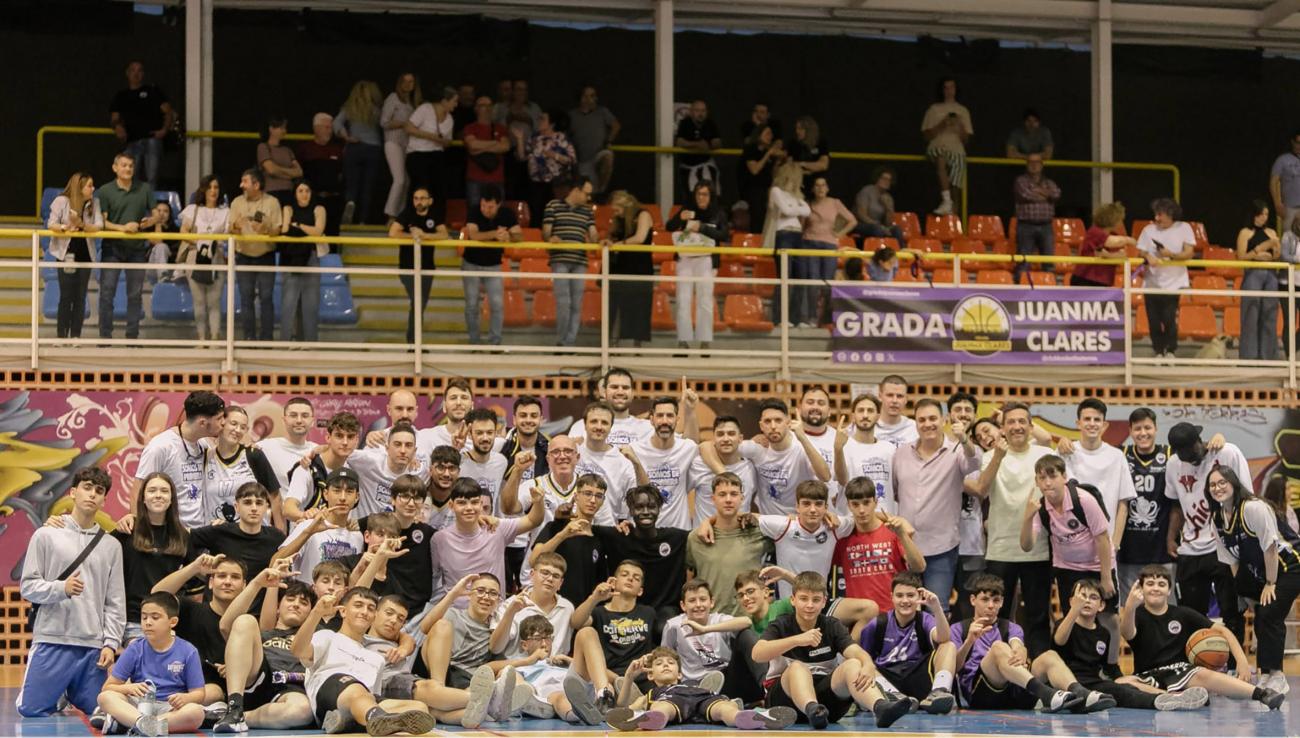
{"type": "Point", "coordinates": [638, 149]}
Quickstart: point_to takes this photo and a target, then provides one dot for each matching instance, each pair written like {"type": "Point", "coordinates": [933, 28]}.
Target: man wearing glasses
{"type": "Point", "coordinates": [572, 540]}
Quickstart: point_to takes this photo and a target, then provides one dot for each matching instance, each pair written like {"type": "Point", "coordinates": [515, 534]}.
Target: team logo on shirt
{"type": "Point", "coordinates": [821, 536]}
{"type": "Point", "coordinates": [1072, 523]}
{"type": "Point", "coordinates": [1101, 648]}
{"type": "Point", "coordinates": [595, 555]}
{"type": "Point", "coordinates": [1175, 627]}
{"type": "Point", "coordinates": [665, 549]}
{"type": "Point", "coordinates": [417, 536]}
{"type": "Point", "coordinates": [819, 651]}
{"type": "Point", "coordinates": [176, 669]}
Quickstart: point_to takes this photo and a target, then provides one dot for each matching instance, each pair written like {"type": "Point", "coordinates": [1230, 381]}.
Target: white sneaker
{"type": "Point", "coordinates": [945, 208]}
{"type": "Point", "coordinates": [1278, 683]}
{"type": "Point", "coordinates": [503, 692]}
{"type": "Point", "coordinates": [712, 681]}
{"type": "Point", "coordinates": [1189, 699]}
{"type": "Point", "coordinates": [480, 694]}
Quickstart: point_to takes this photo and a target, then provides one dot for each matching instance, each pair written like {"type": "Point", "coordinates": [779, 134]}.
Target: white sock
{"type": "Point", "coordinates": [946, 195]}
{"type": "Point", "coordinates": [943, 680]}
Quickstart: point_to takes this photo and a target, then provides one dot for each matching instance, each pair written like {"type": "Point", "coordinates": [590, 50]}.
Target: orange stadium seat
{"type": "Point", "coordinates": [591, 309]}
{"type": "Point", "coordinates": [656, 215]}
{"type": "Point", "coordinates": [1062, 267]}
{"type": "Point", "coordinates": [731, 268]}
{"type": "Point", "coordinates": [1068, 231]}
{"type": "Point", "coordinates": [1197, 322]}
{"type": "Point", "coordinates": [994, 276]}
{"type": "Point", "coordinates": [747, 241]}
{"type": "Point", "coordinates": [1042, 279]}
{"type": "Point", "coordinates": [593, 267]}
{"type": "Point", "coordinates": [532, 235]}
{"type": "Point", "coordinates": [929, 246]}
{"type": "Point", "coordinates": [943, 227]}
{"type": "Point", "coordinates": [516, 309]}
{"type": "Point", "coordinates": [667, 286]}
{"type": "Point", "coordinates": [661, 313]}
{"type": "Point", "coordinates": [534, 265]}
{"type": "Point", "coordinates": [986, 228]}
{"type": "Point", "coordinates": [1218, 253]}
{"type": "Point", "coordinates": [1138, 225]}
{"type": "Point", "coordinates": [1140, 323]}
{"type": "Point", "coordinates": [604, 216]}
{"type": "Point", "coordinates": [1210, 282]}
{"type": "Point", "coordinates": [875, 244]}
{"type": "Point", "coordinates": [764, 268]}
{"type": "Point", "coordinates": [944, 276]}
{"type": "Point", "coordinates": [1232, 321]}
{"type": "Point", "coordinates": [973, 246]}
{"type": "Point", "coordinates": [910, 225]}
{"type": "Point", "coordinates": [544, 308]}
{"type": "Point", "coordinates": [662, 238]}
{"type": "Point", "coordinates": [744, 313]}
{"type": "Point", "coordinates": [1198, 230]}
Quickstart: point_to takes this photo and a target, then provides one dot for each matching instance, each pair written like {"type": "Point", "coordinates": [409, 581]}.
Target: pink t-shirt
{"type": "Point", "coordinates": [1073, 546]}
{"type": "Point", "coordinates": [457, 554]}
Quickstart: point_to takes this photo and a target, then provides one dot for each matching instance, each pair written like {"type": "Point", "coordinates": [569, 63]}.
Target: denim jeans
{"type": "Point", "coordinates": [256, 288]}
{"type": "Point", "coordinates": [122, 254]}
{"type": "Point", "coordinates": [568, 302]}
{"type": "Point", "coordinates": [1258, 315]}
{"type": "Point", "coordinates": [876, 230]}
{"type": "Point", "coordinates": [496, 301]}
{"type": "Point", "coordinates": [1034, 238]}
{"type": "Point", "coordinates": [300, 293]}
{"type": "Point", "coordinates": [148, 155]}
{"type": "Point", "coordinates": [360, 172]}
{"type": "Point", "coordinates": [803, 300]}
{"type": "Point", "coordinates": [940, 573]}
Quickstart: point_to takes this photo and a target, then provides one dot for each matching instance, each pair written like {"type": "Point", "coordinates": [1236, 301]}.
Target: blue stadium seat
{"type": "Point", "coordinates": [50, 299]}
{"type": "Point", "coordinates": [332, 261]}
{"type": "Point", "coordinates": [336, 306]}
{"type": "Point", "coordinates": [172, 301]}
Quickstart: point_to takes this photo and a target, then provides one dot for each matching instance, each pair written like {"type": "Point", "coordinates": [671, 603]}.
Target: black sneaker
{"type": "Point", "coordinates": [231, 722]}
{"type": "Point", "coordinates": [939, 702]}
{"type": "Point", "coordinates": [213, 713]}
{"type": "Point", "coordinates": [818, 716]}
{"type": "Point", "coordinates": [1094, 702]}
{"type": "Point", "coordinates": [888, 712]}
{"type": "Point", "coordinates": [606, 700]}
{"type": "Point", "coordinates": [1272, 699]}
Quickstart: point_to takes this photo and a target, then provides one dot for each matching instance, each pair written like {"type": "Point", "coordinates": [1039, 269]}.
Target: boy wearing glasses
{"type": "Point", "coordinates": [545, 675]}
{"type": "Point", "coordinates": [540, 598]}
{"type": "Point", "coordinates": [411, 573]}
{"type": "Point", "coordinates": [572, 540]}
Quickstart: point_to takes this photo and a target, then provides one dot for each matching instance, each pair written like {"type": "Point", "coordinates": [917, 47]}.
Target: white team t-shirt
{"type": "Point", "coordinates": [1186, 483]}
{"type": "Point", "coordinates": [334, 653]}
{"type": "Point", "coordinates": [825, 445]}
{"type": "Point", "coordinates": [376, 476]}
{"type": "Point", "coordinates": [699, 653]}
{"type": "Point", "coordinates": [283, 456]}
{"type": "Point", "coordinates": [799, 549]}
{"type": "Point", "coordinates": [624, 431]}
{"type": "Point", "coordinates": [702, 482]}
{"type": "Point", "coordinates": [1107, 470]}
{"type": "Point", "coordinates": [1007, 496]}
{"type": "Point", "coordinates": [904, 431]}
{"type": "Point", "coordinates": [489, 475]}
{"type": "Point", "coordinates": [615, 469]}
{"type": "Point", "coordinates": [876, 462]}
{"type": "Point", "coordinates": [779, 472]}
{"type": "Point", "coordinates": [669, 470]}
{"type": "Point", "coordinates": [325, 545]}
{"type": "Point", "coordinates": [184, 462]}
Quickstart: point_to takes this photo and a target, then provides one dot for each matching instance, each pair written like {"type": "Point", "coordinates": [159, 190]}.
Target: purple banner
{"type": "Point", "coordinates": [967, 325]}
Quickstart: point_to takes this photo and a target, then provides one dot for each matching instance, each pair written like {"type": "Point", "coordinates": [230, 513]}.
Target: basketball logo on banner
{"type": "Point", "coordinates": [981, 326]}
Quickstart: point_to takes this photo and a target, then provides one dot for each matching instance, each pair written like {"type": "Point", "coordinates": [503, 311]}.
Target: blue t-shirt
{"type": "Point", "coordinates": [175, 670]}
{"type": "Point", "coordinates": [971, 668]}
{"type": "Point", "coordinates": [900, 645]}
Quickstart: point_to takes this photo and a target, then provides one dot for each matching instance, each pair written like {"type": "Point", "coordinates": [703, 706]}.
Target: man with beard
{"type": "Point", "coordinates": [815, 412]}
{"type": "Point", "coordinates": [618, 392]}
{"type": "Point", "coordinates": [457, 401]}
{"type": "Point", "coordinates": [444, 470]}
{"type": "Point", "coordinates": [1007, 480]}
{"type": "Point", "coordinates": [859, 454]}
{"type": "Point", "coordinates": [726, 443]}
{"type": "Point", "coordinates": [481, 463]}
{"type": "Point", "coordinates": [618, 466]}
{"type": "Point", "coordinates": [284, 452]}
{"type": "Point", "coordinates": [377, 468]}
{"type": "Point", "coordinates": [667, 462]}
{"type": "Point", "coordinates": [527, 436]}
{"type": "Point", "coordinates": [788, 459]}
{"type": "Point", "coordinates": [893, 426]}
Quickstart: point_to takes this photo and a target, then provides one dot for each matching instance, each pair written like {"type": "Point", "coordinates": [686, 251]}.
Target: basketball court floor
{"type": "Point", "coordinates": [1222, 717]}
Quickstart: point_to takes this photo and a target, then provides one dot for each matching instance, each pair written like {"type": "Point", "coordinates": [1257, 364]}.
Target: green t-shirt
{"type": "Point", "coordinates": [774, 611]}
{"type": "Point", "coordinates": [733, 552]}
{"type": "Point", "coordinates": [124, 206]}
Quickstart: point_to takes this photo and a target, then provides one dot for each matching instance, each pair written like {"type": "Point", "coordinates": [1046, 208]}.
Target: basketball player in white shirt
{"type": "Point", "coordinates": [617, 466]}
{"type": "Point", "coordinates": [667, 461]}
{"type": "Point", "coordinates": [860, 454]}
{"type": "Point", "coordinates": [893, 426]}
{"type": "Point", "coordinates": [378, 467]}
{"type": "Point", "coordinates": [788, 459]}
{"type": "Point", "coordinates": [726, 443]}
{"type": "Point", "coordinates": [284, 452]}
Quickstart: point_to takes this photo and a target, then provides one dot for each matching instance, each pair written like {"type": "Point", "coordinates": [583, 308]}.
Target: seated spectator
{"type": "Point", "coordinates": [593, 129]}
{"type": "Point", "coordinates": [255, 213]}
{"type": "Point", "coordinates": [206, 213]}
{"type": "Point", "coordinates": [322, 167]}
{"type": "Point", "coordinates": [398, 106]}
{"type": "Point", "coordinates": [141, 117]}
{"type": "Point", "coordinates": [810, 150]}
{"type": "Point", "coordinates": [1165, 243]}
{"type": "Point", "coordinates": [760, 115]}
{"type": "Point", "coordinates": [828, 220]}
{"type": "Point", "coordinates": [701, 224]}
{"type": "Point", "coordinates": [946, 127]}
{"type": "Point", "coordinates": [358, 125]}
{"type": "Point", "coordinates": [698, 133]}
{"type": "Point", "coordinates": [1030, 138]}
{"type": "Point", "coordinates": [883, 266]}
{"type": "Point", "coordinates": [161, 251]}
{"type": "Point", "coordinates": [550, 157]}
{"type": "Point", "coordinates": [1257, 242]}
{"type": "Point", "coordinates": [300, 291]}
{"type": "Point", "coordinates": [1107, 239]}
{"type": "Point", "coordinates": [487, 221]}
{"type": "Point", "coordinates": [429, 131]}
{"type": "Point", "coordinates": [486, 143]}
{"type": "Point", "coordinates": [630, 302]}
{"type": "Point", "coordinates": [569, 220]}
{"type": "Point", "coordinates": [787, 212]}
{"type": "Point", "coordinates": [763, 151]}
{"type": "Point", "coordinates": [276, 161]}
{"type": "Point", "coordinates": [417, 222]}
{"type": "Point", "coordinates": [874, 208]}
{"type": "Point", "coordinates": [75, 210]}
{"type": "Point", "coordinates": [1036, 197]}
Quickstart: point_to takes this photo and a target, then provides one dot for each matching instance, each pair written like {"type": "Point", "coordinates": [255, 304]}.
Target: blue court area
{"type": "Point", "coordinates": [1222, 717]}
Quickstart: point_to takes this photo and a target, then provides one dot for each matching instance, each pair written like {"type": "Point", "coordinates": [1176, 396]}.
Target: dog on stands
{"type": "Point", "coordinates": [1217, 348]}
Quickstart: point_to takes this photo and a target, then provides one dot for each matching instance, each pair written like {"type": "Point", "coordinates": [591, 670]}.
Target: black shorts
{"type": "Point", "coordinates": [1170, 677]}
{"type": "Point", "coordinates": [692, 704]}
{"type": "Point", "coordinates": [264, 690]}
{"type": "Point", "coordinates": [327, 697]}
{"type": "Point", "coordinates": [985, 696]}
{"type": "Point", "coordinates": [212, 676]}
{"type": "Point", "coordinates": [914, 679]}
{"type": "Point", "coordinates": [838, 706]}
{"type": "Point", "coordinates": [1066, 579]}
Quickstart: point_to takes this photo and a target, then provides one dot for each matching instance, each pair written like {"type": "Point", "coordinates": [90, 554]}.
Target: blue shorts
{"type": "Point", "coordinates": [55, 670]}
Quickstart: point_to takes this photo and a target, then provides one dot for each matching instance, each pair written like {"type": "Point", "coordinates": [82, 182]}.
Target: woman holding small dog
{"type": "Point", "coordinates": [1257, 242]}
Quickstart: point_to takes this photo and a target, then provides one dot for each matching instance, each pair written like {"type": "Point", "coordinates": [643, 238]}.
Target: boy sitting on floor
{"type": "Point", "coordinates": [912, 649]}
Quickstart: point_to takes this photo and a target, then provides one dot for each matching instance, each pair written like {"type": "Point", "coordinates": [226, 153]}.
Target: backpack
{"type": "Point", "coordinates": [922, 637]}
{"type": "Point", "coordinates": [1074, 486]}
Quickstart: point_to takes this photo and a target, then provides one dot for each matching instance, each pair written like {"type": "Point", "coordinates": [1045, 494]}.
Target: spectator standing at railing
{"type": "Point", "coordinates": [127, 206]}
{"type": "Point", "coordinates": [358, 125]}
{"type": "Point", "coordinates": [1036, 197]}
{"type": "Point", "coordinates": [874, 208]}
{"type": "Point", "coordinates": [760, 115]}
{"type": "Point", "coordinates": [700, 134]}
{"type": "Point", "coordinates": [487, 144]}
{"type": "Point", "coordinates": [398, 106]}
{"type": "Point", "coordinates": [808, 147]}
{"type": "Point", "coordinates": [75, 211]}
{"type": "Point", "coordinates": [946, 127]}
{"type": "Point", "coordinates": [430, 129]}
{"type": "Point", "coordinates": [569, 220]}
{"type": "Point", "coordinates": [520, 116]}
{"type": "Point", "coordinates": [277, 162]}
{"type": "Point", "coordinates": [417, 221]}
{"type": "Point", "coordinates": [763, 151]}
{"type": "Point", "coordinates": [702, 223]}
{"type": "Point", "coordinates": [461, 115]}
{"type": "Point", "coordinates": [322, 167]}
{"type": "Point", "coordinates": [550, 157]}
{"type": "Point", "coordinates": [1291, 255]}
{"type": "Point", "coordinates": [786, 212]}
{"type": "Point", "coordinates": [828, 220]}
{"type": "Point", "coordinates": [1032, 137]}
{"type": "Point", "coordinates": [1165, 244]}
{"type": "Point", "coordinates": [300, 291]}
{"type": "Point", "coordinates": [206, 213]}
{"type": "Point", "coordinates": [1284, 182]}
{"type": "Point", "coordinates": [487, 221]}
{"type": "Point", "coordinates": [255, 213]}
{"type": "Point", "coordinates": [1258, 242]}
{"type": "Point", "coordinates": [1106, 239]}
{"type": "Point", "coordinates": [593, 129]}
{"type": "Point", "coordinates": [141, 117]}
{"type": "Point", "coordinates": [630, 302]}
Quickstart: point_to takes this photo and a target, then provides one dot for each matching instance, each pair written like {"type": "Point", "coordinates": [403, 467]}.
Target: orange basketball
{"type": "Point", "coordinates": [1207, 647]}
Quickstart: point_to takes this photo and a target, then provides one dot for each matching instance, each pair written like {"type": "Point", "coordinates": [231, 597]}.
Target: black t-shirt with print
{"type": "Point", "coordinates": [820, 659]}
{"type": "Point", "coordinates": [405, 256]}
{"type": "Point", "coordinates": [662, 558]}
{"type": "Point", "coordinates": [587, 566]}
{"type": "Point", "coordinates": [625, 636]}
{"type": "Point", "coordinates": [1162, 639]}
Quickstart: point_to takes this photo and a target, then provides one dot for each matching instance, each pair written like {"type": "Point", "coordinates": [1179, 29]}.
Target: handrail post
{"type": "Point", "coordinates": [957, 282]}
{"type": "Point", "coordinates": [36, 299]}
{"type": "Point", "coordinates": [1290, 335]}
{"type": "Point", "coordinates": [417, 307]}
{"type": "Point", "coordinates": [1128, 323]}
{"type": "Point", "coordinates": [604, 312]}
{"type": "Point", "coordinates": [230, 305]}
{"type": "Point", "coordinates": [784, 328]}
{"type": "Point", "coordinates": [40, 168]}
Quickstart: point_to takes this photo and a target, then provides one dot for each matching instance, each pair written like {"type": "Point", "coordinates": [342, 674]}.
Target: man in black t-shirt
{"type": "Point", "coordinates": [697, 132]}
{"type": "Point", "coordinates": [1146, 528]}
{"type": "Point", "coordinates": [412, 574]}
{"type": "Point", "coordinates": [248, 540]}
{"type": "Point", "coordinates": [200, 622]}
{"type": "Point", "coordinates": [490, 222]}
{"type": "Point", "coordinates": [141, 117]}
{"type": "Point", "coordinates": [661, 552]}
{"type": "Point", "coordinates": [1158, 633]}
{"type": "Point", "coordinates": [417, 221]}
{"type": "Point", "coordinates": [816, 668]}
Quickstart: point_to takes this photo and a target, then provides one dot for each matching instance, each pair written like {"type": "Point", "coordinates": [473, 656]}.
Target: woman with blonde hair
{"type": "Point", "coordinates": [75, 210]}
{"type": "Point", "coordinates": [786, 212]}
{"type": "Point", "coordinates": [358, 124]}
{"type": "Point", "coordinates": [1106, 239]}
{"type": "Point", "coordinates": [398, 106]}
{"type": "Point", "coordinates": [630, 303]}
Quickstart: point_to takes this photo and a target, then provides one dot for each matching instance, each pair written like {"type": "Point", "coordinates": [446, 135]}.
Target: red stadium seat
{"type": "Point", "coordinates": [744, 313]}
{"type": "Point", "coordinates": [1198, 230]}
{"type": "Point", "coordinates": [1216, 253]}
{"type": "Point", "coordinates": [456, 213]}
{"type": "Point", "coordinates": [875, 244]}
{"type": "Point", "coordinates": [910, 225]}
{"type": "Point", "coordinates": [946, 228]}
{"type": "Point", "coordinates": [986, 228]}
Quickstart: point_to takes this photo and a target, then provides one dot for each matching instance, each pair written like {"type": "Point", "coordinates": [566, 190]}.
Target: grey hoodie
{"type": "Point", "coordinates": [96, 617]}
